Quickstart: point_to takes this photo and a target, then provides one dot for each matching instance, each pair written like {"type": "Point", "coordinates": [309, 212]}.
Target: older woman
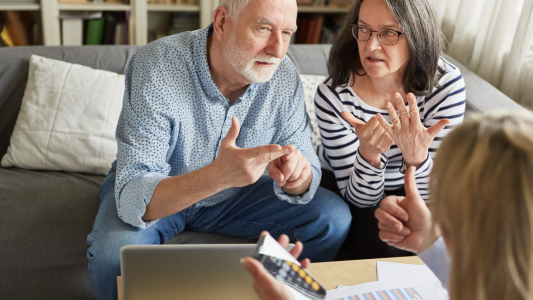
{"type": "Point", "coordinates": [486, 218]}
{"type": "Point", "coordinates": [387, 51]}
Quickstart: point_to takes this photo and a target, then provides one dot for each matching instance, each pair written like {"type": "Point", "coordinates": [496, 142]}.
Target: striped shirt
{"type": "Point", "coordinates": [360, 182]}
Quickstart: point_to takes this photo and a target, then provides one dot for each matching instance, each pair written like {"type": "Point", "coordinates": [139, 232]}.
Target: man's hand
{"type": "Point", "coordinates": [241, 167]}
{"type": "Point", "coordinates": [373, 140]}
{"type": "Point", "coordinates": [405, 222]}
{"type": "Point", "coordinates": [266, 286]}
{"type": "Point", "coordinates": [292, 171]}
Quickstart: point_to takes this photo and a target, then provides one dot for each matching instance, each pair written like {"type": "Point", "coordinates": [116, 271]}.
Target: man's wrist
{"type": "Point", "coordinates": [214, 176]}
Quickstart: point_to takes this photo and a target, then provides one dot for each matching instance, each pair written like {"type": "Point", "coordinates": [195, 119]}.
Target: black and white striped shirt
{"type": "Point", "coordinates": [360, 182]}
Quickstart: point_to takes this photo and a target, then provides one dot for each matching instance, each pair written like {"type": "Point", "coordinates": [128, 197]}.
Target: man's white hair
{"type": "Point", "coordinates": [234, 7]}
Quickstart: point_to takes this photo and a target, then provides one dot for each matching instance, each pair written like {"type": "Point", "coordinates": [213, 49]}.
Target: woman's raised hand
{"type": "Point", "coordinates": [373, 140]}
{"type": "Point", "coordinates": [407, 130]}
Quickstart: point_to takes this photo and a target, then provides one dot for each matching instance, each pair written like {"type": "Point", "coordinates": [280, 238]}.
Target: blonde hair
{"type": "Point", "coordinates": [234, 7]}
{"type": "Point", "coordinates": [482, 192]}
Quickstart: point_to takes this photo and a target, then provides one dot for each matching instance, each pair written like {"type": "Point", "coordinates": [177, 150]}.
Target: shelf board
{"type": "Point", "coordinates": [94, 6]}
{"type": "Point", "coordinates": [173, 7]}
{"type": "Point", "coordinates": [28, 6]}
{"type": "Point", "coordinates": [322, 9]}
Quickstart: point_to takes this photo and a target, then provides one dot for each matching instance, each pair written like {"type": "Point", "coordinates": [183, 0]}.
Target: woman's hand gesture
{"type": "Point", "coordinates": [373, 140]}
{"type": "Point", "coordinates": [407, 130]}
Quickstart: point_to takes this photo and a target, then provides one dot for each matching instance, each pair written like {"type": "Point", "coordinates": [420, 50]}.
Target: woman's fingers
{"type": "Point", "coordinates": [283, 240]}
{"type": "Point", "coordinates": [402, 110]}
{"type": "Point", "coordinates": [390, 238]}
{"type": "Point", "coordinates": [297, 249]}
{"type": "Point", "coordinates": [396, 122]}
{"type": "Point", "coordinates": [435, 129]}
{"type": "Point", "coordinates": [388, 128]}
{"type": "Point", "coordinates": [413, 108]}
{"type": "Point", "coordinates": [405, 231]}
{"type": "Point", "coordinates": [305, 263]}
{"type": "Point", "coordinates": [388, 220]}
{"type": "Point", "coordinates": [356, 123]}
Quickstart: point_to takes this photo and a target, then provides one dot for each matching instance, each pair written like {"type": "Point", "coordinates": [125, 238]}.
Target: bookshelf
{"type": "Point", "coordinates": [20, 7]}
{"type": "Point", "coordinates": [173, 8]}
{"type": "Point", "coordinates": [143, 15]}
{"type": "Point", "coordinates": [94, 7]}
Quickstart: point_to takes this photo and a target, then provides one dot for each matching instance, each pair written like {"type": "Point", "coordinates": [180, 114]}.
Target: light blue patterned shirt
{"type": "Point", "coordinates": [174, 117]}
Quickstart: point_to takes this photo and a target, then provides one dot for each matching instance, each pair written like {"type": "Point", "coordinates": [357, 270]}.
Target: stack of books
{"type": "Point", "coordinates": [95, 28]}
{"type": "Point", "coordinates": [18, 28]}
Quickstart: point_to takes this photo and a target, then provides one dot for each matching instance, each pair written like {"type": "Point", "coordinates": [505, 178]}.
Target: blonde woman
{"type": "Point", "coordinates": [481, 194]}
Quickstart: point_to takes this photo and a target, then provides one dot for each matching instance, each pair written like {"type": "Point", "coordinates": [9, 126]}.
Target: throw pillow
{"type": "Point", "coordinates": [310, 84]}
{"type": "Point", "coordinates": [68, 118]}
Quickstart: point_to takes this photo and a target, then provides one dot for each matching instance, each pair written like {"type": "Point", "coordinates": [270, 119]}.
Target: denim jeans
{"type": "Point", "coordinates": [321, 225]}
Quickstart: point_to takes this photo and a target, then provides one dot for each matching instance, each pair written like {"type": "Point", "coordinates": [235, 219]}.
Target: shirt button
{"type": "Point", "coordinates": [207, 92]}
{"type": "Point", "coordinates": [220, 98]}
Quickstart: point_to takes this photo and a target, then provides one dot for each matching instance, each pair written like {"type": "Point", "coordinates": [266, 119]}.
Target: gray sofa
{"type": "Point", "coordinates": [45, 216]}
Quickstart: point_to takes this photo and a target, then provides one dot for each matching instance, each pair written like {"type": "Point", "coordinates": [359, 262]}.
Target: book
{"type": "Point", "coordinates": [95, 31]}
{"type": "Point", "coordinates": [120, 33]}
{"type": "Point", "coordinates": [109, 30]}
{"type": "Point", "coordinates": [5, 38]}
{"type": "Point", "coordinates": [72, 32]}
{"type": "Point", "coordinates": [72, 26]}
{"type": "Point", "coordinates": [301, 33]}
{"type": "Point", "coordinates": [18, 26]}
{"type": "Point", "coordinates": [286, 269]}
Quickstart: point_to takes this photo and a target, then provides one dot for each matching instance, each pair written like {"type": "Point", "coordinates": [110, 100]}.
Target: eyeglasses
{"type": "Point", "coordinates": [386, 36]}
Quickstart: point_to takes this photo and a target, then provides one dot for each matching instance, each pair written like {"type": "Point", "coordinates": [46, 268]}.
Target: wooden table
{"type": "Point", "coordinates": [332, 274]}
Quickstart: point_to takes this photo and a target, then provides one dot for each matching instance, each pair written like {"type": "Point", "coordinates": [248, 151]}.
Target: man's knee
{"type": "Point", "coordinates": [332, 212]}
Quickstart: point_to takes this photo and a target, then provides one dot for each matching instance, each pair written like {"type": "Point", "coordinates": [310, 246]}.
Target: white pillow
{"type": "Point", "coordinates": [68, 118]}
{"type": "Point", "coordinates": [311, 83]}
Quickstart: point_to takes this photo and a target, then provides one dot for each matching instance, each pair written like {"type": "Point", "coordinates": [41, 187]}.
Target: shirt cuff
{"type": "Point", "coordinates": [303, 198]}
{"type": "Point", "coordinates": [424, 167]}
{"type": "Point", "coordinates": [437, 259]}
{"type": "Point", "coordinates": [135, 196]}
{"type": "Point", "coordinates": [360, 161]}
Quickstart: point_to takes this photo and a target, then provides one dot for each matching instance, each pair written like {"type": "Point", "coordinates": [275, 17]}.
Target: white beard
{"type": "Point", "coordinates": [245, 65]}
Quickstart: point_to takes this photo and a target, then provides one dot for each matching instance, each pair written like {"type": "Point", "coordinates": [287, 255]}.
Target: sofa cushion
{"type": "Point", "coordinates": [68, 118]}
{"type": "Point", "coordinates": [310, 84]}
{"type": "Point", "coordinates": [14, 65]}
{"type": "Point", "coordinates": [45, 219]}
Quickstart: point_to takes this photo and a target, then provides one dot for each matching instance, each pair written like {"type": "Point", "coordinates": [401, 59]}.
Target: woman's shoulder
{"type": "Point", "coordinates": [338, 93]}
{"type": "Point", "coordinates": [450, 80]}
{"type": "Point", "coordinates": [447, 71]}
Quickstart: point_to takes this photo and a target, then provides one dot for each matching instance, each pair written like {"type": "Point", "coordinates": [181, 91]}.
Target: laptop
{"type": "Point", "coordinates": [186, 272]}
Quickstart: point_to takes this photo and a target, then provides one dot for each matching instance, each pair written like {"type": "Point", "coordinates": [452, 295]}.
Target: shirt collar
{"type": "Point", "coordinates": [203, 72]}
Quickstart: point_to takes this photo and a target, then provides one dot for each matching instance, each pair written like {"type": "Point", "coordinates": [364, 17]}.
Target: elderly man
{"type": "Point", "coordinates": [204, 113]}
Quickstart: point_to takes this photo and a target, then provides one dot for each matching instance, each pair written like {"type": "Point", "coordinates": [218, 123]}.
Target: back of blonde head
{"type": "Point", "coordinates": [482, 187]}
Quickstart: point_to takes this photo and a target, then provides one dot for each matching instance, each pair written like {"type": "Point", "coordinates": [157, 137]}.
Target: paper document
{"type": "Point", "coordinates": [395, 281]}
{"type": "Point", "coordinates": [390, 270]}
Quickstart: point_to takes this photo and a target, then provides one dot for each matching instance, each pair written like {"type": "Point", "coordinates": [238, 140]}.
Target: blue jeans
{"type": "Point", "coordinates": [321, 225]}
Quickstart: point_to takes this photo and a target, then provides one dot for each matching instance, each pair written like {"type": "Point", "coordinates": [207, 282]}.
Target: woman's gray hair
{"type": "Point", "coordinates": [234, 7]}
{"type": "Point", "coordinates": [425, 41]}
